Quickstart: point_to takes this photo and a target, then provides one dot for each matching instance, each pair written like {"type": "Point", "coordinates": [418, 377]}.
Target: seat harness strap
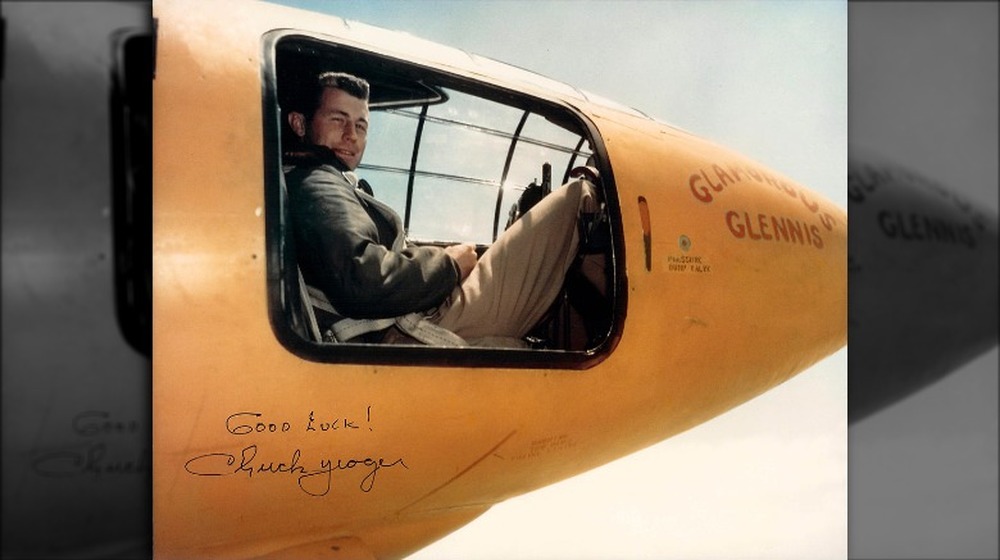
{"type": "Point", "coordinates": [414, 324]}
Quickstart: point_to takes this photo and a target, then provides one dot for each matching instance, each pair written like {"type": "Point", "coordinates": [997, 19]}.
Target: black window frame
{"type": "Point", "coordinates": [131, 126]}
{"type": "Point", "coordinates": [282, 286]}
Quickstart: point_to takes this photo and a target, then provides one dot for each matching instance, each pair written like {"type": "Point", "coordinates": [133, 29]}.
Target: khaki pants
{"type": "Point", "coordinates": [519, 277]}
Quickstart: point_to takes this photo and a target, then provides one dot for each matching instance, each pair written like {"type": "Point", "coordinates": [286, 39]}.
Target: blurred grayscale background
{"type": "Point", "coordinates": [75, 392]}
{"type": "Point", "coordinates": [923, 94]}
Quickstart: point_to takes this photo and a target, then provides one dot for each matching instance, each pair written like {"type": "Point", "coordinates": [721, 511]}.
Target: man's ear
{"type": "Point", "coordinates": [297, 121]}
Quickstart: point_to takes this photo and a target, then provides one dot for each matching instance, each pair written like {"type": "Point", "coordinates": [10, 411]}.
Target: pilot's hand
{"type": "Point", "coordinates": [465, 256]}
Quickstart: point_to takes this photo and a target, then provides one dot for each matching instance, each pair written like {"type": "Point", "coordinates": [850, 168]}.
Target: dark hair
{"type": "Point", "coordinates": [313, 90]}
{"type": "Point", "coordinates": [350, 83]}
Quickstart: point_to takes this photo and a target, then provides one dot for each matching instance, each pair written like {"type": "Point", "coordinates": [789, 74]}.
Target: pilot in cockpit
{"type": "Point", "coordinates": [370, 284]}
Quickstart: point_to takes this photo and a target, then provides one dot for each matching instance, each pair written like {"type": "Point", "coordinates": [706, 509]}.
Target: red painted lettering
{"type": "Point", "coordinates": [784, 186]}
{"type": "Point", "coordinates": [817, 240]}
{"type": "Point", "coordinates": [812, 206]}
{"type": "Point", "coordinates": [737, 229]}
{"type": "Point", "coordinates": [827, 220]}
{"type": "Point", "coordinates": [750, 231]}
{"type": "Point", "coordinates": [715, 187]}
{"type": "Point", "coordinates": [722, 175]}
{"type": "Point", "coordinates": [699, 192]}
{"type": "Point", "coordinates": [735, 171]}
{"type": "Point", "coordinates": [762, 224]}
{"type": "Point", "coordinates": [779, 228]}
{"type": "Point", "coordinates": [794, 231]}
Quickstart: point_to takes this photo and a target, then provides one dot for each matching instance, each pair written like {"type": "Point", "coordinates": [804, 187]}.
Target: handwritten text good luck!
{"type": "Point", "coordinates": [314, 475]}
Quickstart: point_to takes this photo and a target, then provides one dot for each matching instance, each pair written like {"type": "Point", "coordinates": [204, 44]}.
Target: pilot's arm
{"type": "Point", "coordinates": [344, 249]}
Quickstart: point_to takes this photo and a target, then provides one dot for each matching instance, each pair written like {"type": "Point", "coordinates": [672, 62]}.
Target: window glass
{"type": "Point", "coordinates": [526, 166]}
{"type": "Point", "coordinates": [462, 151]}
{"type": "Point", "coordinates": [452, 210]}
{"type": "Point", "coordinates": [464, 108]}
{"type": "Point", "coordinates": [387, 158]}
{"type": "Point", "coordinates": [388, 186]}
{"type": "Point", "coordinates": [467, 137]}
{"type": "Point", "coordinates": [390, 139]}
{"type": "Point", "coordinates": [540, 129]}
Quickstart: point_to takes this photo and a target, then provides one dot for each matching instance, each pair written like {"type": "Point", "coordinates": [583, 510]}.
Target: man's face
{"type": "Point", "coordinates": [341, 124]}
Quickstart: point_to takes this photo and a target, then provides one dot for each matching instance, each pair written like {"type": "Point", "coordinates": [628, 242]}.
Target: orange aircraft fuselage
{"type": "Point", "coordinates": [735, 279]}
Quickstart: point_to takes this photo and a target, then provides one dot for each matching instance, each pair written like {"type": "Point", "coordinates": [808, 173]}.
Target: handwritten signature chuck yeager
{"type": "Point", "coordinates": [314, 481]}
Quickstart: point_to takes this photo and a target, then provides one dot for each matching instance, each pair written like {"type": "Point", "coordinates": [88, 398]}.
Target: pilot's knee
{"type": "Point", "coordinates": [586, 193]}
{"type": "Point", "coordinates": [579, 187]}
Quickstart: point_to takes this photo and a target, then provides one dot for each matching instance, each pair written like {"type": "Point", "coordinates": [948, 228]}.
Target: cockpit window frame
{"type": "Point", "coordinates": [282, 287]}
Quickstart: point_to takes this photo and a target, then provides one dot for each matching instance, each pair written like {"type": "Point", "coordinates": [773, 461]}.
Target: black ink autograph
{"type": "Point", "coordinates": [315, 482]}
{"type": "Point", "coordinates": [90, 460]}
{"type": "Point", "coordinates": [100, 432]}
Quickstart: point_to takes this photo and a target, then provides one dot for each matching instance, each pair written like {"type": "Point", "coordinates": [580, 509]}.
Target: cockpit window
{"type": "Point", "coordinates": [453, 157]}
{"type": "Point", "coordinates": [463, 157]}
